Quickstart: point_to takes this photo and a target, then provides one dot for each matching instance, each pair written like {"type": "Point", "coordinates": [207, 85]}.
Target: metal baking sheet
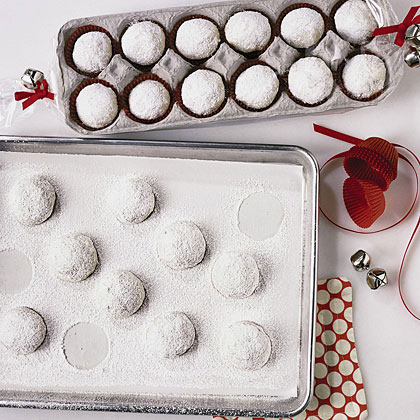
{"type": "Point", "coordinates": [190, 401]}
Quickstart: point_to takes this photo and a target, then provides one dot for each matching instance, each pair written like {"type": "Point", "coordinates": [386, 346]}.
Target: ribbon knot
{"type": "Point", "coordinates": [400, 29]}
{"type": "Point", "coordinates": [32, 97]}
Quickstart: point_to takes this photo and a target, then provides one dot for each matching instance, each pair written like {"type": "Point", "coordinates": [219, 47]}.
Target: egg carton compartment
{"type": "Point", "coordinates": [172, 68]}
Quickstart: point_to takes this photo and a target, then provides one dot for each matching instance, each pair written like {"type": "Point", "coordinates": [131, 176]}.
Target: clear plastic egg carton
{"type": "Point", "coordinates": [172, 68]}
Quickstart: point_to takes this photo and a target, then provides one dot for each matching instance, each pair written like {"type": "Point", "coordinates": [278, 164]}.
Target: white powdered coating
{"type": "Point", "coordinates": [22, 330]}
{"type": "Point", "coordinates": [73, 257]}
{"type": "Point", "coordinates": [203, 92]}
{"type": "Point", "coordinates": [149, 100]}
{"type": "Point", "coordinates": [97, 105]}
{"type": "Point", "coordinates": [310, 80]}
{"type": "Point", "coordinates": [31, 200]}
{"type": "Point", "coordinates": [170, 335]}
{"type": "Point", "coordinates": [132, 200]}
{"type": "Point", "coordinates": [364, 75]}
{"type": "Point", "coordinates": [248, 31]}
{"type": "Point", "coordinates": [235, 275]}
{"type": "Point", "coordinates": [120, 294]}
{"type": "Point", "coordinates": [197, 38]}
{"type": "Point", "coordinates": [181, 245]}
{"type": "Point", "coordinates": [246, 346]}
{"type": "Point", "coordinates": [355, 22]}
{"type": "Point", "coordinates": [257, 86]}
{"type": "Point", "coordinates": [83, 185]}
{"type": "Point", "coordinates": [302, 28]}
{"type": "Point", "coordinates": [92, 51]}
{"type": "Point", "coordinates": [143, 43]}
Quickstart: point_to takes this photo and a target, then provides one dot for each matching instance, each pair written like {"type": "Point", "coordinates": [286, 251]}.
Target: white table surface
{"type": "Point", "coordinates": [387, 338]}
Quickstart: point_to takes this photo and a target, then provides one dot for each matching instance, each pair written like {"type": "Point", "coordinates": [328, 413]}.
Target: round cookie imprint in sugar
{"type": "Point", "coordinates": [302, 27]}
{"type": "Point", "coordinates": [181, 245]}
{"type": "Point", "coordinates": [92, 52]}
{"type": "Point", "coordinates": [257, 87]}
{"type": "Point", "coordinates": [197, 38]}
{"type": "Point", "coordinates": [235, 275]}
{"type": "Point", "coordinates": [203, 92]}
{"type": "Point", "coordinates": [149, 100]}
{"type": "Point", "coordinates": [310, 80]}
{"type": "Point", "coordinates": [248, 31]}
{"type": "Point", "coordinates": [246, 346]}
{"type": "Point", "coordinates": [31, 200]}
{"type": "Point", "coordinates": [143, 43]}
{"type": "Point", "coordinates": [170, 335]}
{"type": "Point", "coordinates": [132, 200]}
{"type": "Point", "coordinates": [355, 22]}
{"type": "Point", "coordinates": [22, 330]}
{"type": "Point", "coordinates": [121, 294]}
{"type": "Point", "coordinates": [97, 105]}
{"type": "Point", "coordinates": [73, 257]}
{"type": "Point", "coordinates": [364, 75]}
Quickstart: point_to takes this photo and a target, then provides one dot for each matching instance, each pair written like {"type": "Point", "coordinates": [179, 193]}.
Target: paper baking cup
{"type": "Point", "coordinates": [126, 95]}
{"type": "Point", "coordinates": [242, 68]}
{"type": "Point", "coordinates": [255, 54]}
{"type": "Point", "coordinates": [172, 38]}
{"type": "Point", "coordinates": [364, 200]}
{"type": "Point", "coordinates": [68, 48]}
{"type": "Point", "coordinates": [72, 103]}
{"type": "Point", "coordinates": [340, 82]}
{"type": "Point", "coordinates": [374, 160]}
{"type": "Point", "coordinates": [178, 96]}
{"type": "Point", "coordinates": [300, 6]}
{"type": "Point", "coordinates": [331, 21]}
{"type": "Point", "coordinates": [140, 67]}
{"type": "Point", "coordinates": [301, 103]}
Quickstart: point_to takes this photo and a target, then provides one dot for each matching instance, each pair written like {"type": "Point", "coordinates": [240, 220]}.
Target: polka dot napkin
{"type": "Point", "coordinates": [338, 393]}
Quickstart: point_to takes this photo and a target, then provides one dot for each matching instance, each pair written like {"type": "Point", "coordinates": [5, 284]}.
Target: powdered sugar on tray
{"type": "Point", "coordinates": [211, 199]}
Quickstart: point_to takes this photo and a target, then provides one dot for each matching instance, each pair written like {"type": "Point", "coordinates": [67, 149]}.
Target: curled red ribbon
{"type": "Point", "coordinates": [400, 29]}
{"type": "Point", "coordinates": [353, 140]}
{"type": "Point", "coordinates": [32, 97]}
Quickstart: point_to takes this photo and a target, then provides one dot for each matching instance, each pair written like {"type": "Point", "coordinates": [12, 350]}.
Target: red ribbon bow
{"type": "Point", "coordinates": [400, 29]}
{"type": "Point", "coordinates": [32, 97]}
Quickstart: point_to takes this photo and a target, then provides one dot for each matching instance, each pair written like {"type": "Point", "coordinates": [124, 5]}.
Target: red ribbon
{"type": "Point", "coordinates": [400, 29]}
{"type": "Point", "coordinates": [353, 140]}
{"type": "Point", "coordinates": [32, 97]}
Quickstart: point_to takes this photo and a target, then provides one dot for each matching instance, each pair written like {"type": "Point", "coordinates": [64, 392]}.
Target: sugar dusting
{"type": "Point", "coordinates": [92, 51]}
{"type": "Point", "coordinates": [303, 27]}
{"type": "Point", "coordinates": [82, 184]}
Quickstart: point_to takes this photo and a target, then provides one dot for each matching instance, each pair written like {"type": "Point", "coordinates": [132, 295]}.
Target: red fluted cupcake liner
{"type": "Point", "coordinates": [340, 82]}
{"type": "Point", "coordinates": [68, 48]}
{"type": "Point", "coordinates": [178, 97]}
{"type": "Point", "coordinates": [126, 95]}
{"type": "Point", "coordinates": [364, 200]}
{"type": "Point", "coordinates": [140, 67]}
{"type": "Point", "coordinates": [73, 97]}
{"type": "Point", "coordinates": [331, 21]}
{"type": "Point", "coordinates": [255, 54]}
{"type": "Point", "coordinates": [373, 160]}
{"type": "Point", "coordinates": [172, 38]}
{"type": "Point", "coordinates": [300, 6]}
{"type": "Point", "coordinates": [241, 69]}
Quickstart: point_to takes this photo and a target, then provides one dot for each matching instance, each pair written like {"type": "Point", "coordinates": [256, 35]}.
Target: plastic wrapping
{"type": "Point", "coordinates": [172, 68]}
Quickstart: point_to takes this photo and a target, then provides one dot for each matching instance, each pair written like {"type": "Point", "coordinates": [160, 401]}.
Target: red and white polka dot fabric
{"type": "Point", "coordinates": [339, 393]}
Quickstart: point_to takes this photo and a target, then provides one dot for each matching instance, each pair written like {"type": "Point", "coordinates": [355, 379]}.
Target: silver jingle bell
{"type": "Point", "coordinates": [412, 36]}
{"type": "Point", "coordinates": [31, 77]}
{"type": "Point", "coordinates": [412, 58]}
{"type": "Point", "coordinates": [376, 278]}
{"type": "Point", "coordinates": [360, 260]}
